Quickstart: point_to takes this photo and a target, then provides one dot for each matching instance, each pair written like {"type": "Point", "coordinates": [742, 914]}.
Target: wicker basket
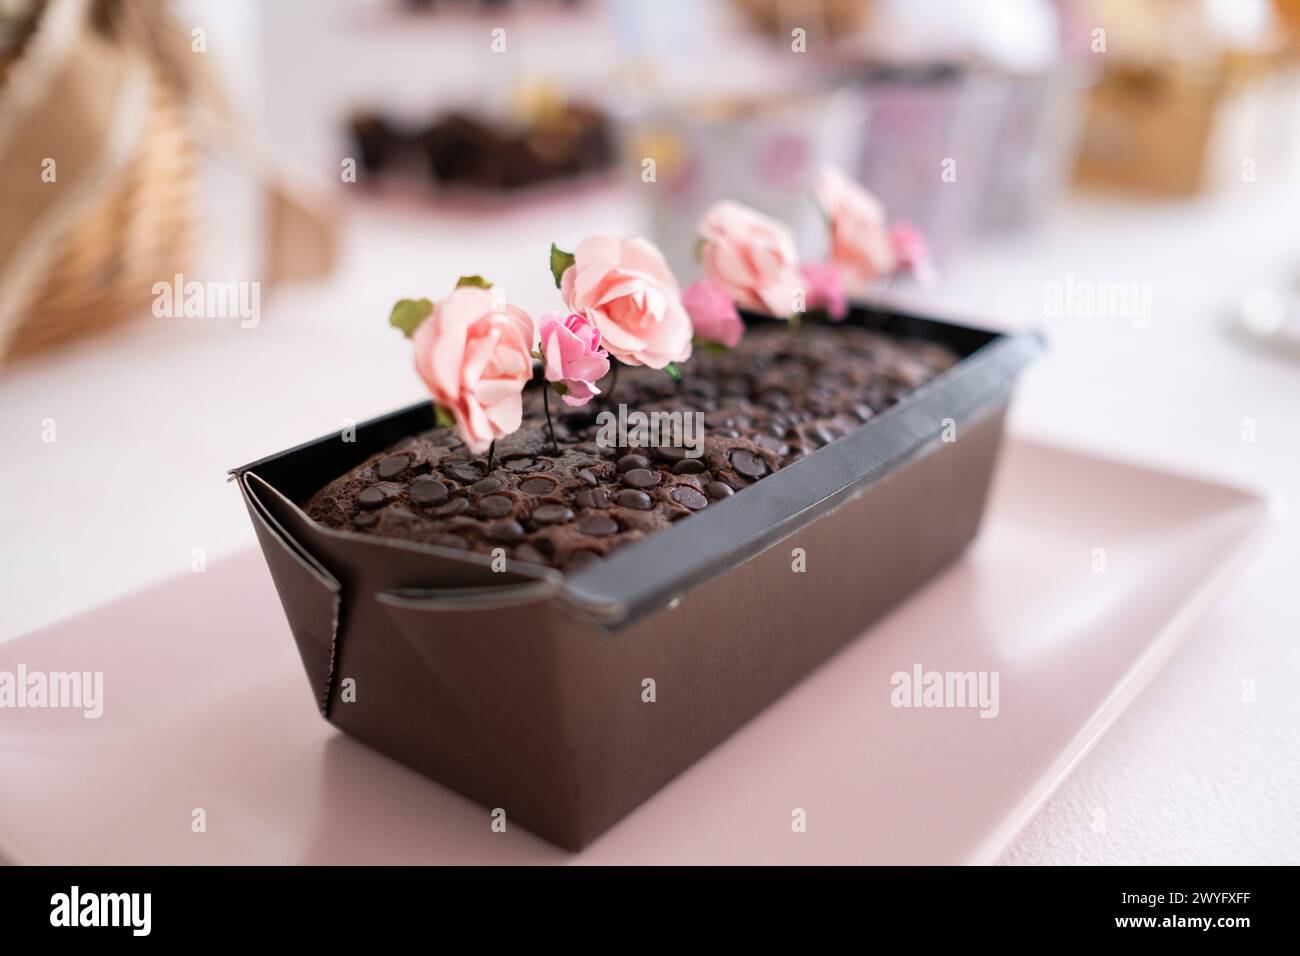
{"type": "Point", "coordinates": [113, 90]}
{"type": "Point", "coordinates": [93, 247]}
{"type": "Point", "coordinates": [103, 265]}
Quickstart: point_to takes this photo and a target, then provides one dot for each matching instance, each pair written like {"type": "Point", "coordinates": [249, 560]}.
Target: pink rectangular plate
{"type": "Point", "coordinates": [1084, 577]}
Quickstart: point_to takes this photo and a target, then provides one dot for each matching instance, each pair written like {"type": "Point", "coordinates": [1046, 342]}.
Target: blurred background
{"type": "Point", "coordinates": [1120, 173]}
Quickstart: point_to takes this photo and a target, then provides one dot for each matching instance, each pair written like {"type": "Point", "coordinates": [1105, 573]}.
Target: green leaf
{"type": "Point", "coordinates": [407, 315]}
{"type": "Point", "coordinates": [795, 319]}
{"type": "Point", "coordinates": [709, 346]}
{"type": "Point", "coordinates": [560, 260]}
{"type": "Point", "coordinates": [476, 282]}
{"type": "Point", "coordinates": [443, 418]}
{"type": "Point", "coordinates": [673, 371]}
{"type": "Point", "coordinates": [698, 249]}
{"type": "Point", "coordinates": [560, 388]}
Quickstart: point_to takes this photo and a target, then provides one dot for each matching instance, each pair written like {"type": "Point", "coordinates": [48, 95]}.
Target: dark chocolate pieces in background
{"type": "Point", "coordinates": [461, 151]}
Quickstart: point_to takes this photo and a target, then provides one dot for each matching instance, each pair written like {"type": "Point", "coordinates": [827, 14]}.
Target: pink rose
{"type": "Point", "coordinates": [860, 243]}
{"type": "Point", "coordinates": [474, 354]}
{"type": "Point", "coordinates": [571, 354]}
{"type": "Point", "coordinates": [824, 288]}
{"type": "Point", "coordinates": [713, 313]}
{"type": "Point", "coordinates": [912, 251]}
{"type": "Point", "coordinates": [624, 287]}
{"type": "Point", "coordinates": [752, 257]}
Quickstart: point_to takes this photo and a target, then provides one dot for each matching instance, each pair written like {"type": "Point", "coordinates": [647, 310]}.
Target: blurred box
{"type": "Point", "coordinates": [761, 150]}
{"type": "Point", "coordinates": [1176, 129]}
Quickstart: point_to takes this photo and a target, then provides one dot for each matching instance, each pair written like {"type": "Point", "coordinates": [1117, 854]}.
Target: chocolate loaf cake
{"type": "Point", "coordinates": [761, 406]}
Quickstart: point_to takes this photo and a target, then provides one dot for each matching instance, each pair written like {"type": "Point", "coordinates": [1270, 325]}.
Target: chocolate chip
{"type": "Point", "coordinates": [718, 489]}
{"type": "Point", "coordinates": [537, 486]}
{"type": "Point", "coordinates": [486, 486]}
{"type": "Point", "coordinates": [632, 498]}
{"type": "Point", "coordinates": [543, 464]}
{"type": "Point", "coordinates": [670, 455]}
{"type": "Point", "coordinates": [450, 541]}
{"type": "Point", "coordinates": [689, 497]}
{"type": "Point", "coordinates": [495, 506]}
{"type": "Point", "coordinates": [526, 552]}
{"type": "Point", "coordinates": [772, 444]}
{"type": "Point", "coordinates": [367, 519]}
{"type": "Point", "coordinates": [689, 466]}
{"type": "Point", "coordinates": [581, 559]}
{"type": "Point", "coordinates": [454, 507]}
{"type": "Point", "coordinates": [552, 514]}
{"type": "Point", "coordinates": [824, 434]}
{"type": "Point", "coordinates": [628, 462]}
{"type": "Point", "coordinates": [520, 464]}
{"type": "Point", "coordinates": [376, 496]}
{"type": "Point", "coordinates": [587, 477]}
{"type": "Point", "coordinates": [592, 498]}
{"type": "Point", "coordinates": [641, 478]}
{"type": "Point", "coordinates": [598, 526]}
{"type": "Point", "coordinates": [464, 472]}
{"type": "Point", "coordinates": [719, 419]}
{"type": "Point", "coordinates": [393, 465]}
{"type": "Point", "coordinates": [508, 531]}
{"type": "Point", "coordinates": [747, 463]}
{"type": "Point", "coordinates": [445, 438]}
{"type": "Point", "coordinates": [372, 497]}
{"type": "Point", "coordinates": [427, 490]}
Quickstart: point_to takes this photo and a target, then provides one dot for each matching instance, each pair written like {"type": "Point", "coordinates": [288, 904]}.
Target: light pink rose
{"type": "Point", "coordinates": [474, 354]}
{"type": "Point", "coordinates": [860, 243]}
{"type": "Point", "coordinates": [624, 287]}
{"type": "Point", "coordinates": [752, 256]}
{"type": "Point", "coordinates": [713, 313]}
{"type": "Point", "coordinates": [824, 287]}
{"type": "Point", "coordinates": [912, 251]}
{"type": "Point", "coordinates": [571, 354]}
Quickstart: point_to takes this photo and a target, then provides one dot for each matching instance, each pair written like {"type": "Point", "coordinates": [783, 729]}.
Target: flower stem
{"type": "Point", "coordinates": [546, 406]}
{"type": "Point", "coordinates": [492, 451]}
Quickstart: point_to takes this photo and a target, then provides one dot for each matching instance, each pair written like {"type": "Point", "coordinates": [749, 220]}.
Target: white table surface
{"type": "Point", "coordinates": [148, 422]}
